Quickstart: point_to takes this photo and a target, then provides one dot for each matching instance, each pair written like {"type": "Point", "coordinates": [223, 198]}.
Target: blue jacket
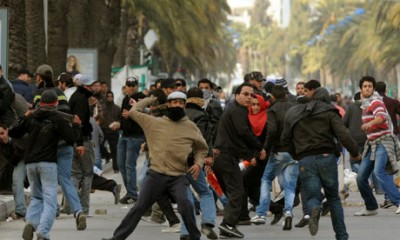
{"type": "Point", "coordinates": [24, 89]}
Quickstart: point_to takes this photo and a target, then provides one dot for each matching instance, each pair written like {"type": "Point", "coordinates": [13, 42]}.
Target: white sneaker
{"type": "Point", "coordinates": [398, 210]}
{"type": "Point", "coordinates": [258, 219]}
{"type": "Point", "coordinates": [366, 212]}
{"type": "Point", "coordinates": [176, 228]}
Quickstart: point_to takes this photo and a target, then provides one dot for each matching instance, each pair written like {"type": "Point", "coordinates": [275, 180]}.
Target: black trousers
{"type": "Point", "coordinates": [252, 183]}
{"type": "Point", "coordinates": [166, 207]}
{"type": "Point", "coordinates": [226, 168]}
{"type": "Point", "coordinates": [154, 186]}
{"type": "Point", "coordinates": [112, 138]}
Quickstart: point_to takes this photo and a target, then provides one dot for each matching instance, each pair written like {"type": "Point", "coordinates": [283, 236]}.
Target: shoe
{"type": "Point", "coordinates": [303, 222]}
{"type": "Point", "coordinates": [276, 218]}
{"type": "Point", "coordinates": [27, 234]}
{"type": "Point", "coordinates": [176, 228]}
{"type": "Point", "coordinates": [16, 216]}
{"type": "Point", "coordinates": [386, 204]}
{"type": "Point", "coordinates": [107, 238]}
{"type": "Point", "coordinates": [258, 220]}
{"type": "Point", "coordinates": [184, 237]}
{"type": "Point", "coordinates": [117, 193]}
{"type": "Point", "coordinates": [152, 220]}
{"type": "Point", "coordinates": [325, 209]}
{"type": "Point", "coordinates": [245, 222]}
{"type": "Point", "coordinates": [42, 238]}
{"type": "Point", "coordinates": [398, 210]}
{"type": "Point", "coordinates": [366, 212]}
{"type": "Point", "coordinates": [65, 211]}
{"type": "Point", "coordinates": [288, 221]}
{"type": "Point", "coordinates": [313, 222]}
{"type": "Point", "coordinates": [80, 221]}
{"type": "Point", "coordinates": [208, 231]}
{"type": "Point", "coordinates": [230, 230]}
{"type": "Point", "coordinates": [127, 200]}
{"type": "Point", "coordinates": [220, 212]}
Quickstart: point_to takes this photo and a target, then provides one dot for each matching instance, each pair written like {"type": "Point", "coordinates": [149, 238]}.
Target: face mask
{"type": "Point", "coordinates": [207, 95]}
{"type": "Point", "coordinates": [175, 113]}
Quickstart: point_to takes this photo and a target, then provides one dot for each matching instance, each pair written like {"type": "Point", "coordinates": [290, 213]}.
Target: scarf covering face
{"type": "Point", "coordinates": [258, 121]}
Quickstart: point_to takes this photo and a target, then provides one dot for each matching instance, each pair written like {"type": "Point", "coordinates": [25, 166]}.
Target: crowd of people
{"type": "Point", "coordinates": [201, 151]}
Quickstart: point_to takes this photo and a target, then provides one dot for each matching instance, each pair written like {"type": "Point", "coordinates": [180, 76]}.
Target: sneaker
{"type": "Point", "coordinates": [325, 209]}
{"type": "Point", "coordinates": [313, 222]}
{"type": "Point", "coordinates": [288, 221]}
{"type": "Point", "coordinates": [230, 230]}
{"type": "Point", "coordinates": [257, 220]}
{"type": "Point", "coordinates": [117, 193]}
{"type": "Point", "coordinates": [16, 216]}
{"type": "Point", "coordinates": [208, 231]}
{"type": "Point", "coordinates": [27, 234]}
{"type": "Point", "coordinates": [386, 204]}
{"type": "Point", "coordinates": [80, 221]}
{"type": "Point", "coordinates": [303, 222]}
{"type": "Point", "coordinates": [65, 211]}
{"type": "Point", "coordinates": [276, 218]}
{"type": "Point", "coordinates": [176, 228]}
{"type": "Point", "coordinates": [398, 210]}
{"type": "Point", "coordinates": [127, 200]}
{"type": "Point", "coordinates": [366, 212]}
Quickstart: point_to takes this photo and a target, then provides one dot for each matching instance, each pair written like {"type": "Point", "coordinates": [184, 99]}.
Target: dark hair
{"type": "Point", "coordinates": [380, 87]}
{"type": "Point", "coordinates": [247, 77]}
{"type": "Point", "coordinates": [279, 92]}
{"type": "Point", "coordinates": [181, 80]}
{"type": "Point", "coordinates": [367, 79]}
{"type": "Point", "coordinates": [47, 81]}
{"type": "Point", "coordinates": [195, 92]}
{"type": "Point", "coordinates": [159, 93]}
{"type": "Point", "coordinates": [312, 84]}
{"type": "Point", "coordinates": [205, 80]}
{"type": "Point", "coordinates": [239, 88]}
{"type": "Point", "coordinates": [357, 96]}
{"type": "Point", "coordinates": [109, 92]}
{"type": "Point", "coordinates": [268, 87]}
{"type": "Point", "coordinates": [3, 125]}
{"type": "Point", "coordinates": [66, 77]}
{"type": "Point", "coordinates": [103, 82]}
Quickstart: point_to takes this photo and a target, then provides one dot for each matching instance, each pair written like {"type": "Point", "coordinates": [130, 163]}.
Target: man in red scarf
{"type": "Point", "coordinates": [253, 173]}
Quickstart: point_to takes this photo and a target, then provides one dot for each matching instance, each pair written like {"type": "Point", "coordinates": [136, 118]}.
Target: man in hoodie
{"type": "Point", "coordinates": [309, 131]}
{"type": "Point", "coordinates": [46, 127]}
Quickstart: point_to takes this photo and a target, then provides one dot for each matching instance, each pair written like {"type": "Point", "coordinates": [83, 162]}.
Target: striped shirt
{"type": "Point", "coordinates": [376, 109]}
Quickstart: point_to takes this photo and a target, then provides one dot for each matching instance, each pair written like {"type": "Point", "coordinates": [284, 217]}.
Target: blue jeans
{"type": "Point", "coordinates": [127, 154]}
{"type": "Point", "coordinates": [385, 180]}
{"type": "Point", "coordinates": [207, 205]}
{"type": "Point", "coordinates": [279, 164]}
{"type": "Point", "coordinates": [19, 175]}
{"type": "Point", "coordinates": [64, 165]}
{"type": "Point", "coordinates": [41, 212]}
{"type": "Point", "coordinates": [320, 171]}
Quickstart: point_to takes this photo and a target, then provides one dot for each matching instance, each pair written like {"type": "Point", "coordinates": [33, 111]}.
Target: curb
{"type": "Point", "coordinates": [7, 206]}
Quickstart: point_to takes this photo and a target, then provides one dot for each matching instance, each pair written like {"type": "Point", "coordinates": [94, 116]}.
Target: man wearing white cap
{"type": "Point", "coordinates": [168, 162]}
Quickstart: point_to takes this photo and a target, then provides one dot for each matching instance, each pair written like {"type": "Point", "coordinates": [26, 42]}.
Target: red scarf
{"type": "Point", "coordinates": [258, 121]}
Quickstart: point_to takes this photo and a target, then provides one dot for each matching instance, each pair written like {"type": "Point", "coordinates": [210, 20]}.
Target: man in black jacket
{"type": "Point", "coordinates": [129, 144]}
{"type": "Point", "coordinates": [82, 165]}
{"type": "Point", "coordinates": [309, 133]}
{"type": "Point", "coordinates": [235, 141]}
{"type": "Point", "coordinates": [46, 127]}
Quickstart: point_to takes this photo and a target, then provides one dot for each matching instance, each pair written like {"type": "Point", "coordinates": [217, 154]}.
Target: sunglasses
{"type": "Point", "coordinates": [178, 84]}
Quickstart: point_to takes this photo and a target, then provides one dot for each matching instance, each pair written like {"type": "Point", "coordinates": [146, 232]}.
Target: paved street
{"type": "Point", "coordinates": [384, 225]}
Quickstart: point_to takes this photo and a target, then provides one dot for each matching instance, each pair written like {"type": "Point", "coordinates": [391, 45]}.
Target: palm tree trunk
{"type": "Point", "coordinates": [57, 35]}
{"type": "Point", "coordinates": [35, 35]}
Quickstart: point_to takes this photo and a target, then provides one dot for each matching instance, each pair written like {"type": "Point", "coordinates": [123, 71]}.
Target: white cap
{"type": "Point", "coordinates": [176, 95]}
